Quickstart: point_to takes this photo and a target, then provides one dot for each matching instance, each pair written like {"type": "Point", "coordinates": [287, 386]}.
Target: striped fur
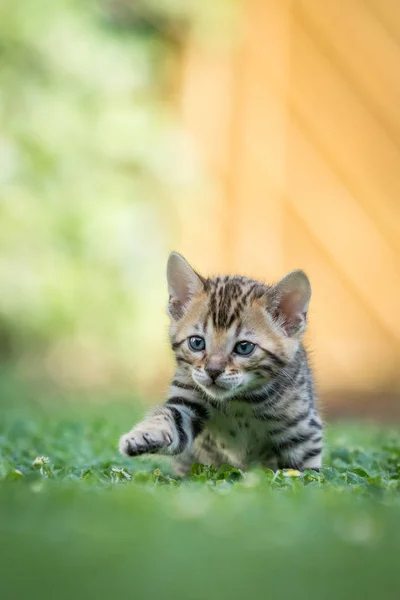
{"type": "Point", "coordinates": [226, 407]}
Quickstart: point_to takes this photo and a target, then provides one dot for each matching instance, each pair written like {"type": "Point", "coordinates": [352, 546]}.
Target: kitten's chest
{"type": "Point", "coordinates": [236, 430]}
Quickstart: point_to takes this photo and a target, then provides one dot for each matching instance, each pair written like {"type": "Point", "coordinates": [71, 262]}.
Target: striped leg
{"type": "Point", "coordinates": [169, 429]}
{"type": "Point", "coordinates": [298, 459]}
{"type": "Point", "coordinates": [298, 442]}
{"type": "Point", "coordinates": [304, 452]}
{"type": "Point", "coordinates": [313, 459]}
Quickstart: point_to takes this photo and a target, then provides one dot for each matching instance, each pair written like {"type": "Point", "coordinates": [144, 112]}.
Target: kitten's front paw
{"type": "Point", "coordinates": [143, 440]}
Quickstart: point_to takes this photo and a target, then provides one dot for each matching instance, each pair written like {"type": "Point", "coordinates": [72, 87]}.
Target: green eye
{"type": "Point", "coordinates": [197, 343]}
{"type": "Point", "coordinates": [244, 348]}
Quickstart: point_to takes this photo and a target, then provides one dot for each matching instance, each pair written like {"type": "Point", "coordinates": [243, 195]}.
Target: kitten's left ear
{"type": "Point", "coordinates": [290, 299]}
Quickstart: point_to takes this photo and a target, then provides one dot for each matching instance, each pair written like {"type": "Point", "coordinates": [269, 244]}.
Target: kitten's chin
{"type": "Point", "coordinates": [223, 391]}
{"type": "Point", "coordinates": [216, 392]}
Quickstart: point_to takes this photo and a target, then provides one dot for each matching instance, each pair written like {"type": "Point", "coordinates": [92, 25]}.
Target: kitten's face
{"type": "Point", "coordinates": [226, 360]}
{"type": "Point", "coordinates": [230, 334]}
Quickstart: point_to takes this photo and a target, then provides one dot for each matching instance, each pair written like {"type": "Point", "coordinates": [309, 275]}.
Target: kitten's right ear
{"type": "Point", "coordinates": [183, 284]}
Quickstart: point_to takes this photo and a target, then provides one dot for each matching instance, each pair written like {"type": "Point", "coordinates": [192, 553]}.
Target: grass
{"type": "Point", "coordinates": [78, 520]}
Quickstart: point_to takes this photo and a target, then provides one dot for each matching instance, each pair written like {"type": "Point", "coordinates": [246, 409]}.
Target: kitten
{"type": "Point", "coordinates": [243, 391]}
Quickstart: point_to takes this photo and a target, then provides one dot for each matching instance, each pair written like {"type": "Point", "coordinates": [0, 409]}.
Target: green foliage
{"type": "Point", "coordinates": [88, 148]}
{"type": "Point", "coordinates": [80, 450]}
{"type": "Point", "coordinates": [78, 518]}
{"type": "Point", "coordinates": [46, 434]}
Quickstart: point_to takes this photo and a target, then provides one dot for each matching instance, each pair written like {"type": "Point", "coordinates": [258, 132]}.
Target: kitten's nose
{"type": "Point", "coordinates": [213, 373]}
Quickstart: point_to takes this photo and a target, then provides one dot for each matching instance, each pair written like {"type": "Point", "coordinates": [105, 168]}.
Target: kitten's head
{"type": "Point", "coordinates": [233, 333]}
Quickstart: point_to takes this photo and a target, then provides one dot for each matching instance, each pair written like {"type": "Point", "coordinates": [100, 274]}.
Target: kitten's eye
{"type": "Point", "coordinates": [244, 348]}
{"type": "Point", "coordinates": [196, 343]}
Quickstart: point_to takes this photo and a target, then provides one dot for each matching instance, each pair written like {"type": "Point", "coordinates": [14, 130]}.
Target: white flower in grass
{"type": "Point", "coordinates": [40, 461]}
{"type": "Point", "coordinates": [118, 473]}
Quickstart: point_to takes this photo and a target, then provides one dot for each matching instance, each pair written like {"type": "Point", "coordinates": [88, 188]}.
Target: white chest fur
{"type": "Point", "coordinates": [237, 432]}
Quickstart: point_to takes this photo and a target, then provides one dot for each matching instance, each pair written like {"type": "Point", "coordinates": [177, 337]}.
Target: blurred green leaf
{"type": "Point", "coordinates": [85, 518]}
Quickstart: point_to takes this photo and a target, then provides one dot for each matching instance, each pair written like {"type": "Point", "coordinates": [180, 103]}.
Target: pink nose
{"type": "Point", "coordinates": [213, 373]}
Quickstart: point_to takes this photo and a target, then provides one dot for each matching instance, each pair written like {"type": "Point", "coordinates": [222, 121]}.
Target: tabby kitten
{"type": "Point", "coordinates": [243, 390]}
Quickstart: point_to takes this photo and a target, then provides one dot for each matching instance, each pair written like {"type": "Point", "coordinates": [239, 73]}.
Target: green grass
{"type": "Point", "coordinates": [85, 522]}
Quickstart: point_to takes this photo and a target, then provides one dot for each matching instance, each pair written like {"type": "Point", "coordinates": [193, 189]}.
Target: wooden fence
{"type": "Point", "coordinates": [298, 125]}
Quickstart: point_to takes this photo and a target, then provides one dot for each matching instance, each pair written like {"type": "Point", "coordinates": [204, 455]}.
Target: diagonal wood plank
{"type": "Point", "coordinates": [345, 340]}
{"type": "Point", "coordinates": [387, 12]}
{"type": "Point", "coordinates": [347, 128]}
{"type": "Point", "coordinates": [365, 65]}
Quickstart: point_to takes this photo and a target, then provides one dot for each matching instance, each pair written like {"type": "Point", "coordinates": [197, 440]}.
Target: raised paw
{"type": "Point", "coordinates": [144, 440]}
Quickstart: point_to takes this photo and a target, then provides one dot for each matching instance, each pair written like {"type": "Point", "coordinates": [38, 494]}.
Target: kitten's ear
{"type": "Point", "coordinates": [183, 284]}
{"type": "Point", "coordinates": [290, 300]}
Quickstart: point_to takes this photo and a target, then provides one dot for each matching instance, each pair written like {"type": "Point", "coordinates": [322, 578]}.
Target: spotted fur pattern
{"type": "Point", "coordinates": [223, 406]}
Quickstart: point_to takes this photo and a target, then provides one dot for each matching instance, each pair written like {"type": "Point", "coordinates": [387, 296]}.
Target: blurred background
{"type": "Point", "coordinates": [253, 136]}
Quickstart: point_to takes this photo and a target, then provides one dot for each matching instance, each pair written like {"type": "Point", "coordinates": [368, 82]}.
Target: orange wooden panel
{"type": "Point", "coordinates": [387, 14]}
{"type": "Point", "coordinates": [302, 145]}
{"type": "Point", "coordinates": [346, 130]}
{"type": "Point", "coordinates": [348, 349]}
{"type": "Point", "coordinates": [358, 45]}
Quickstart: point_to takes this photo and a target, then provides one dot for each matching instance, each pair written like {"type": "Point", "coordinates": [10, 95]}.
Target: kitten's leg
{"type": "Point", "coordinates": [156, 433]}
{"type": "Point", "coordinates": [270, 463]}
{"type": "Point", "coordinates": [183, 463]}
{"type": "Point", "coordinates": [300, 445]}
{"type": "Point", "coordinates": [208, 452]}
{"type": "Point", "coordinates": [204, 451]}
{"type": "Point", "coordinates": [313, 459]}
{"type": "Point", "coordinates": [302, 456]}
{"type": "Point", "coordinates": [169, 429]}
